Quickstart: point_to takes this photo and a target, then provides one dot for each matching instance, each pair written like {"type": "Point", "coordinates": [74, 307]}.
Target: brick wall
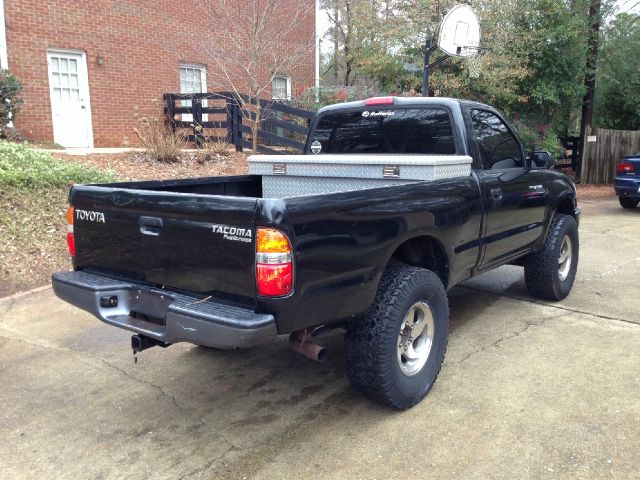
{"type": "Point", "coordinates": [142, 43]}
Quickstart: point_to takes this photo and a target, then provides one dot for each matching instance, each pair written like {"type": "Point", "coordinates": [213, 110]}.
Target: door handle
{"type": "Point", "coordinates": [150, 226]}
{"type": "Point", "coordinates": [496, 195]}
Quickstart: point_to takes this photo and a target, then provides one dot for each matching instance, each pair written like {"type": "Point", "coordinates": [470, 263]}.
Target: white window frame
{"type": "Point", "coordinates": [187, 117]}
{"type": "Point", "coordinates": [288, 84]}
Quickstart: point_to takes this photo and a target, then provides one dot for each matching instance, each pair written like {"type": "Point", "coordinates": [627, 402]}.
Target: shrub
{"type": "Point", "coordinates": [538, 139]}
{"type": "Point", "coordinates": [528, 135]}
{"type": "Point", "coordinates": [160, 143]}
{"type": "Point", "coordinates": [551, 143]}
{"type": "Point", "coordinates": [213, 149]}
{"type": "Point", "coordinates": [23, 167]}
{"type": "Point", "coordinates": [10, 102]}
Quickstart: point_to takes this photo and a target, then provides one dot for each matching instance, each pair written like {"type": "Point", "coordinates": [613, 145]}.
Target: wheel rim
{"type": "Point", "coordinates": [415, 339]}
{"type": "Point", "coordinates": [565, 258]}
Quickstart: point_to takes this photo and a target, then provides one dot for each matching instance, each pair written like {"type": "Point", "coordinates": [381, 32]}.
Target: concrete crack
{"type": "Point", "coordinates": [624, 239]}
{"type": "Point", "coordinates": [80, 356]}
{"type": "Point", "coordinates": [6, 306]}
{"type": "Point", "coordinates": [208, 464]}
{"type": "Point", "coordinates": [606, 273]}
{"type": "Point", "coordinates": [549, 305]}
{"type": "Point", "coordinates": [90, 360]}
{"type": "Point", "coordinates": [509, 336]}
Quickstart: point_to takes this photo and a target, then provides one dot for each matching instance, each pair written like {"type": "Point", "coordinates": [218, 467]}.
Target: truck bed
{"type": "Point", "coordinates": [168, 233]}
{"type": "Point", "coordinates": [339, 239]}
{"type": "Point", "coordinates": [232, 186]}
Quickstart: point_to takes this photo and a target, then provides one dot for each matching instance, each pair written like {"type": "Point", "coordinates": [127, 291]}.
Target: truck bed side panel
{"type": "Point", "coordinates": [343, 242]}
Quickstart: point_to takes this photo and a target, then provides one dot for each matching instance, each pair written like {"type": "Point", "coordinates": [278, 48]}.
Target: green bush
{"type": "Point", "coordinates": [10, 103]}
{"type": "Point", "coordinates": [551, 143]}
{"type": "Point", "coordinates": [532, 139]}
{"type": "Point", "coordinates": [528, 135]}
{"type": "Point", "coordinates": [26, 168]}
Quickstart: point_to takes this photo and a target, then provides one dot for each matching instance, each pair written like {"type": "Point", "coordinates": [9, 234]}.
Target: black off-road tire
{"type": "Point", "coordinates": [626, 202]}
{"type": "Point", "coordinates": [542, 269]}
{"type": "Point", "coordinates": [372, 360]}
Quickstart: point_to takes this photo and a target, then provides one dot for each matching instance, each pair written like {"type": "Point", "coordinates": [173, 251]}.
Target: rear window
{"type": "Point", "coordinates": [389, 131]}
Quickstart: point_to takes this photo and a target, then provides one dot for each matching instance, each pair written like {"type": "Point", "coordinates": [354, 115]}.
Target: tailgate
{"type": "Point", "coordinates": [196, 243]}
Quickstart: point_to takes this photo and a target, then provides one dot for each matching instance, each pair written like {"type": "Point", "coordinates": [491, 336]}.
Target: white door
{"type": "Point", "coordinates": [69, 88]}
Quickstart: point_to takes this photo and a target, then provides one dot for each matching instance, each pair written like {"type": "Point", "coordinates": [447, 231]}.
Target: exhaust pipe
{"type": "Point", "coordinates": [301, 342]}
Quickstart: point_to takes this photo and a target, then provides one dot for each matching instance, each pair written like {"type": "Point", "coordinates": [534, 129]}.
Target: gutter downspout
{"type": "Point", "coordinates": [4, 59]}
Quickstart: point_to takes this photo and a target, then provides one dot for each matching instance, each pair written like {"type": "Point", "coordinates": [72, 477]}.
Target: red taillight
{"type": "Point", "coordinates": [625, 167]}
{"type": "Point", "coordinates": [274, 280]}
{"type": "Point", "coordinates": [71, 243]}
{"type": "Point", "coordinates": [371, 102]}
{"type": "Point", "coordinates": [71, 240]}
{"type": "Point", "coordinates": [274, 268]}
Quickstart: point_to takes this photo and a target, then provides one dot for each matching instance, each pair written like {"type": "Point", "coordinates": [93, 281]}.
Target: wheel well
{"type": "Point", "coordinates": [424, 252]}
{"type": "Point", "coordinates": [566, 207]}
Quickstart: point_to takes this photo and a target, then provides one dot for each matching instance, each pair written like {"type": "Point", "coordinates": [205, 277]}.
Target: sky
{"type": "Point", "coordinates": [629, 5]}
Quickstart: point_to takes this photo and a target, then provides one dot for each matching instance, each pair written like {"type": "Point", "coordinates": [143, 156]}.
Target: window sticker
{"type": "Point", "coordinates": [316, 147]}
{"type": "Point", "coordinates": [381, 113]}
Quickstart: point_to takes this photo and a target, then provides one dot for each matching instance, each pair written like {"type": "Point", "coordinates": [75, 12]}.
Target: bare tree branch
{"type": "Point", "coordinates": [262, 39]}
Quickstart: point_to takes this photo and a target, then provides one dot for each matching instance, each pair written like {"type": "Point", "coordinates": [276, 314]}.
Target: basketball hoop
{"type": "Point", "coordinates": [460, 32]}
{"type": "Point", "coordinates": [459, 37]}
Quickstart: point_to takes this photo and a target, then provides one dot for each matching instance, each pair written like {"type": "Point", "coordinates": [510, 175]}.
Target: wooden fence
{"type": "Point", "coordinates": [200, 114]}
{"type": "Point", "coordinates": [602, 151]}
{"type": "Point", "coordinates": [219, 117]}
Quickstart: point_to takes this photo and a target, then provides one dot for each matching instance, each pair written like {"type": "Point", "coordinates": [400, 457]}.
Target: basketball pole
{"type": "Point", "coordinates": [429, 47]}
{"type": "Point", "coordinates": [425, 69]}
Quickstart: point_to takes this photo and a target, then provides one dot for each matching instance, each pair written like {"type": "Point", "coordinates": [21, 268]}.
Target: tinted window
{"type": "Point", "coordinates": [426, 131]}
{"type": "Point", "coordinates": [498, 147]}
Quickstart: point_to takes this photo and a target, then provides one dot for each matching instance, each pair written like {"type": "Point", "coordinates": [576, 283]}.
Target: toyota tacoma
{"type": "Point", "coordinates": [218, 262]}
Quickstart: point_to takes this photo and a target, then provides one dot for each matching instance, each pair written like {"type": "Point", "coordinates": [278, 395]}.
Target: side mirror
{"type": "Point", "coordinates": [542, 160]}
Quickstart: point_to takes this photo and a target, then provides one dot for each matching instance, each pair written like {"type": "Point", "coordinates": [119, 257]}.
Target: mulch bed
{"type": "Point", "coordinates": [594, 191]}
{"type": "Point", "coordinates": [138, 166]}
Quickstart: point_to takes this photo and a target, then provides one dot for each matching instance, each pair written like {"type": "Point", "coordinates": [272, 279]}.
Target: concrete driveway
{"type": "Point", "coordinates": [528, 390]}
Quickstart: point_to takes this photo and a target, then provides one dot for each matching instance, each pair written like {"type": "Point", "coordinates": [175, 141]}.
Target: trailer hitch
{"type": "Point", "coordinates": [142, 342]}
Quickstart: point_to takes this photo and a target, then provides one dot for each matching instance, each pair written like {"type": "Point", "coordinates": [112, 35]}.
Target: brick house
{"type": "Point", "coordinates": [88, 66]}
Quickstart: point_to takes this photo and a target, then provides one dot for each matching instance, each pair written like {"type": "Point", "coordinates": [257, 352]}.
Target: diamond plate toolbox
{"type": "Point", "coordinates": [300, 175]}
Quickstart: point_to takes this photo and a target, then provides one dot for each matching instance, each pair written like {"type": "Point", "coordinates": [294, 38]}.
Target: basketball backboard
{"type": "Point", "coordinates": [460, 32]}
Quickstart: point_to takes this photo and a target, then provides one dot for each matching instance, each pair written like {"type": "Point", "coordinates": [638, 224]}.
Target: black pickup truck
{"type": "Point", "coordinates": [213, 262]}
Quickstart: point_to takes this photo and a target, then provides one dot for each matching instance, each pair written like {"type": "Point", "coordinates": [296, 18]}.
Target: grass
{"type": "Point", "coordinates": [33, 201]}
{"type": "Point", "coordinates": [20, 166]}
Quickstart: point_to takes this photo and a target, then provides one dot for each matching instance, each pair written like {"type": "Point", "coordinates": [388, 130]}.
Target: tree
{"type": "Point", "coordinates": [590, 71]}
{"type": "Point", "coordinates": [554, 46]}
{"type": "Point", "coordinates": [341, 15]}
{"type": "Point", "coordinates": [618, 92]}
{"type": "Point", "coordinates": [262, 40]}
{"type": "Point", "coordinates": [367, 37]}
{"type": "Point", "coordinates": [534, 69]}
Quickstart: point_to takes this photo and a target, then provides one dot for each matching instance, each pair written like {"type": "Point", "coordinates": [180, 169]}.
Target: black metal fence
{"type": "Point", "coordinates": [219, 116]}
